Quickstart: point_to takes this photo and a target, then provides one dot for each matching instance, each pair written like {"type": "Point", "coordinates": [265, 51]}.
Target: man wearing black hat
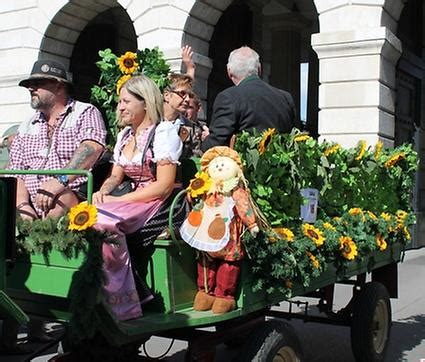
{"type": "Point", "coordinates": [62, 134]}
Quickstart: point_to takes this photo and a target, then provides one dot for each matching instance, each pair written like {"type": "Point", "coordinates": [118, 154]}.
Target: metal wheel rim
{"type": "Point", "coordinates": [380, 326]}
{"type": "Point", "coordinates": [286, 354]}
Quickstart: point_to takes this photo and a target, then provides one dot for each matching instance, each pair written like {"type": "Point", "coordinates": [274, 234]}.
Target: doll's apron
{"type": "Point", "coordinates": [208, 229]}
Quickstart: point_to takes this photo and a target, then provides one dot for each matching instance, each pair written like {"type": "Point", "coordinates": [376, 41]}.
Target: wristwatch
{"type": "Point", "coordinates": [63, 180]}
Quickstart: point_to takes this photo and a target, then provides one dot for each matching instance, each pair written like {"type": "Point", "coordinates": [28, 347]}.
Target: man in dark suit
{"type": "Point", "coordinates": [250, 103]}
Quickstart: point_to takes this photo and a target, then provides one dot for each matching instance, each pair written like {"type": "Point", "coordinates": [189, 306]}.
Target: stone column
{"type": "Point", "coordinates": [357, 85]}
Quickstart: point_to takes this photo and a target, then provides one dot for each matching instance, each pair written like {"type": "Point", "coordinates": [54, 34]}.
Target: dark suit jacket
{"type": "Point", "coordinates": [251, 104]}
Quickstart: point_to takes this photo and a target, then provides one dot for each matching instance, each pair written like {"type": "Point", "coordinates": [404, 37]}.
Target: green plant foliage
{"type": "Point", "coordinates": [365, 198]}
{"type": "Point", "coordinates": [105, 96]}
{"type": "Point", "coordinates": [41, 236]}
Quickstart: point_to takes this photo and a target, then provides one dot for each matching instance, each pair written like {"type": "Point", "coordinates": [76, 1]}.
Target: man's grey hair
{"type": "Point", "coordinates": [243, 62]}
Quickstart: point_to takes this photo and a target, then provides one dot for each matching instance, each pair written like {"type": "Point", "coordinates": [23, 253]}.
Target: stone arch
{"type": "Point", "coordinates": [300, 19]}
{"type": "Point", "coordinates": [65, 26]}
{"type": "Point", "coordinates": [79, 30]}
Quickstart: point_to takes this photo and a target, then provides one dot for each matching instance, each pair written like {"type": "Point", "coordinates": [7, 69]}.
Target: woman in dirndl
{"type": "Point", "coordinates": [152, 171]}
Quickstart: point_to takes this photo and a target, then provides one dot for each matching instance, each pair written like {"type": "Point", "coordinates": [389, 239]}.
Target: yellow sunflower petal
{"type": "Point", "coordinates": [199, 185]}
{"type": "Point", "coordinates": [127, 63]}
{"type": "Point", "coordinates": [265, 140]}
{"type": "Point", "coordinates": [348, 247]}
{"type": "Point", "coordinates": [314, 234]}
{"type": "Point", "coordinates": [82, 216]}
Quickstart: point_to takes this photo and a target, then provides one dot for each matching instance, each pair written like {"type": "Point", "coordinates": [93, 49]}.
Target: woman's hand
{"type": "Point", "coordinates": [99, 197]}
{"type": "Point", "coordinates": [110, 198]}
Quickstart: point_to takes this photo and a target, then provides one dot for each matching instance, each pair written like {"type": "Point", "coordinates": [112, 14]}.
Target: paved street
{"type": "Point", "coordinates": [329, 343]}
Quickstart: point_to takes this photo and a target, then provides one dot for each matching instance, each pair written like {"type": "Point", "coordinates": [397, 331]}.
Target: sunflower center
{"type": "Point", "coordinates": [312, 234]}
{"type": "Point", "coordinates": [347, 248]}
{"type": "Point", "coordinates": [198, 183]}
{"type": "Point", "coordinates": [128, 63]}
{"type": "Point", "coordinates": [81, 218]}
{"type": "Point", "coordinates": [267, 140]}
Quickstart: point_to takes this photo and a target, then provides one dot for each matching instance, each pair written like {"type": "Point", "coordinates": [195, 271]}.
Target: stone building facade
{"type": "Point", "coordinates": [366, 57]}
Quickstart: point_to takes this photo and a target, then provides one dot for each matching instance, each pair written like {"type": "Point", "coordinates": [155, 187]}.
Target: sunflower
{"type": "Point", "coordinates": [371, 215]}
{"type": "Point", "coordinates": [285, 233]}
{"type": "Point", "coordinates": [386, 216]}
{"type": "Point", "coordinates": [378, 149]}
{"type": "Point", "coordinates": [199, 185]}
{"type": "Point", "coordinates": [380, 241]}
{"type": "Point", "coordinates": [301, 137]}
{"type": "Point", "coordinates": [265, 140]}
{"type": "Point", "coordinates": [82, 216]}
{"type": "Point", "coordinates": [127, 63]}
{"type": "Point", "coordinates": [362, 150]}
{"type": "Point", "coordinates": [394, 159]}
{"type": "Point", "coordinates": [314, 234]}
{"type": "Point", "coordinates": [406, 233]}
{"type": "Point", "coordinates": [348, 247]}
{"type": "Point", "coordinates": [401, 217]}
{"type": "Point", "coordinates": [355, 211]}
{"type": "Point", "coordinates": [313, 260]}
{"type": "Point", "coordinates": [329, 226]}
{"type": "Point", "coordinates": [331, 150]}
{"type": "Point", "coordinates": [121, 82]}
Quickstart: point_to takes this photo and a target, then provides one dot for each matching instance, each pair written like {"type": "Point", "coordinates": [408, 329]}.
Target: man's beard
{"type": "Point", "coordinates": [35, 102]}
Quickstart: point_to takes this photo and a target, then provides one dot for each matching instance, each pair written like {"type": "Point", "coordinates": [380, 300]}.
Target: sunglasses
{"type": "Point", "coordinates": [182, 93]}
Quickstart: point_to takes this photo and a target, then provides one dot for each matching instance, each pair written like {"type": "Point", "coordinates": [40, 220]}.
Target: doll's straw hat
{"type": "Point", "coordinates": [218, 151]}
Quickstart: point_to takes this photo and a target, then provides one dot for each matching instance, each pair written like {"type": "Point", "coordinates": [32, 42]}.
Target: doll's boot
{"type": "Point", "coordinates": [203, 301]}
{"type": "Point", "coordinates": [223, 305]}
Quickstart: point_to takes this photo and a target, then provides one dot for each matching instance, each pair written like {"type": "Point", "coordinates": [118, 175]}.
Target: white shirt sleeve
{"type": "Point", "coordinates": [167, 144]}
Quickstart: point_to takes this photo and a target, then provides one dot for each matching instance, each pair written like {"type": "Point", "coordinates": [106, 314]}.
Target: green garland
{"type": "Point", "coordinates": [41, 236]}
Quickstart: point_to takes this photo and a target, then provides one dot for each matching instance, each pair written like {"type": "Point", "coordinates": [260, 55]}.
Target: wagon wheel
{"type": "Point", "coordinates": [275, 341]}
{"type": "Point", "coordinates": [371, 324]}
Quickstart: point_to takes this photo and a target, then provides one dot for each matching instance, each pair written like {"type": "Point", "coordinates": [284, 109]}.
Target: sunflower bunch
{"type": "Point", "coordinates": [281, 257]}
{"type": "Point", "coordinates": [364, 204]}
{"type": "Point", "coordinates": [116, 70]}
{"type": "Point", "coordinates": [69, 234]}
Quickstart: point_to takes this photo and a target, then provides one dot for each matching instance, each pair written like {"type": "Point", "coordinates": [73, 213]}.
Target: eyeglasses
{"type": "Point", "coordinates": [182, 93]}
{"type": "Point", "coordinates": [36, 83]}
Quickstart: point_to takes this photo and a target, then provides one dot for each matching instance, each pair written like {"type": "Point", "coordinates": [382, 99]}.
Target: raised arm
{"type": "Point", "coordinates": [187, 55]}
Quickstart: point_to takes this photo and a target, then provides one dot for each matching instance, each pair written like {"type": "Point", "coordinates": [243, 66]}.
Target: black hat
{"type": "Point", "coordinates": [46, 69]}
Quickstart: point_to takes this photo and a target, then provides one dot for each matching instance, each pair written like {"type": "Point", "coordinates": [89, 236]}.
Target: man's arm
{"type": "Point", "coordinates": [223, 123]}
{"type": "Point", "coordinates": [85, 156]}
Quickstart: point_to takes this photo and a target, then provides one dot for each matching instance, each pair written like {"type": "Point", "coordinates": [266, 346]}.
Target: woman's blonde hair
{"type": "Point", "coordinates": [144, 88]}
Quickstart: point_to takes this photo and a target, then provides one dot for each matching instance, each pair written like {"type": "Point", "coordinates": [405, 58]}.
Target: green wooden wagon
{"type": "Point", "coordinates": [32, 286]}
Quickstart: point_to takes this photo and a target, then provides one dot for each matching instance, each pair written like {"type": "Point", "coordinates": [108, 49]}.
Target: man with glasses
{"type": "Point", "coordinates": [250, 103]}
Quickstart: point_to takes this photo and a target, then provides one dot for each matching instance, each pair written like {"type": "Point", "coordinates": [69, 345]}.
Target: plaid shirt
{"type": "Point", "coordinates": [33, 150]}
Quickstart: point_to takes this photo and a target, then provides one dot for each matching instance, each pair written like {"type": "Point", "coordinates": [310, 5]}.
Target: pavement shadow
{"type": "Point", "coordinates": [406, 334]}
